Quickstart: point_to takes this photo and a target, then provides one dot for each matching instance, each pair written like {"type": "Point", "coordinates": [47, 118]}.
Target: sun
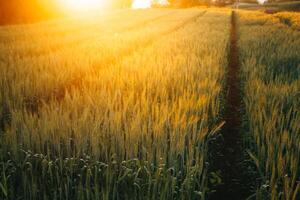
{"type": "Point", "coordinates": [82, 5]}
{"type": "Point", "coordinates": [141, 4]}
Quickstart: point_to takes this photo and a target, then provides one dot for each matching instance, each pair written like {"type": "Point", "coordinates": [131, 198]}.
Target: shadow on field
{"type": "Point", "coordinates": [285, 70]}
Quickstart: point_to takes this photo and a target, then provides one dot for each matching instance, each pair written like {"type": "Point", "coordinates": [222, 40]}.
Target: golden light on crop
{"type": "Point", "coordinates": [141, 4]}
{"type": "Point", "coordinates": [82, 5]}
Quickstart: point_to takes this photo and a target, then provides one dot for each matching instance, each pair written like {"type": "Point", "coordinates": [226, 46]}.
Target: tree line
{"type": "Point", "coordinates": [20, 11]}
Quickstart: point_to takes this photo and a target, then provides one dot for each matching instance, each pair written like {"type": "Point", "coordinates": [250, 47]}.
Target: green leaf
{"type": "Point", "coordinates": [3, 190]}
{"type": "Point", "coordinates": [254, 158]}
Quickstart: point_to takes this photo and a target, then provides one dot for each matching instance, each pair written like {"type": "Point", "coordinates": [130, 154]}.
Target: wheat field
{"type": "Point", "coordinates": [129, 104]}
{"type": "Point", "coordinates": [270, 70]}
{"type": "Point", "coordinates": [129, 116]}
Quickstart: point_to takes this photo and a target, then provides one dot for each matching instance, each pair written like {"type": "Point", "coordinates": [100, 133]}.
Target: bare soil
{"type": "Point", "coordinates": [228, 153]}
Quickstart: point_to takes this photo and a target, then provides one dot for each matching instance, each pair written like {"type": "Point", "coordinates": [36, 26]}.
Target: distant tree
{"type": "Point", "coordinates": [188, 3]}
{"type": "Point", "coordinates": [15, 11]}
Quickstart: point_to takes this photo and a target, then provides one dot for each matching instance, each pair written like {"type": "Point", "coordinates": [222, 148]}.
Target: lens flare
{"type": "Point", "coordinates": [262, 1]}
{"type": "Point", "coordinates": [82, 5]}
{"type": "Point", "coordinates": [141, 4]}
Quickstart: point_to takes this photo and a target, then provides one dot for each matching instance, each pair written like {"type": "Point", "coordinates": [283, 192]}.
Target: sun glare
{"type": "Point", "coordinates": [82, 5]}
{"type": "Point", "coordinates": [141, 4]}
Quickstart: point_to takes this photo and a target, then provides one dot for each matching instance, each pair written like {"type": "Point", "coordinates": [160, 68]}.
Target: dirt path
{"type": "Point", "coordinates": [228, 153]}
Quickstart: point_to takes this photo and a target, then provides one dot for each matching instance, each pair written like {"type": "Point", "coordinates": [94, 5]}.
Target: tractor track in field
{"type": "Point", "coordinates": [33, 104]}
{"type": "Point", "coordinates": [228, 154]}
